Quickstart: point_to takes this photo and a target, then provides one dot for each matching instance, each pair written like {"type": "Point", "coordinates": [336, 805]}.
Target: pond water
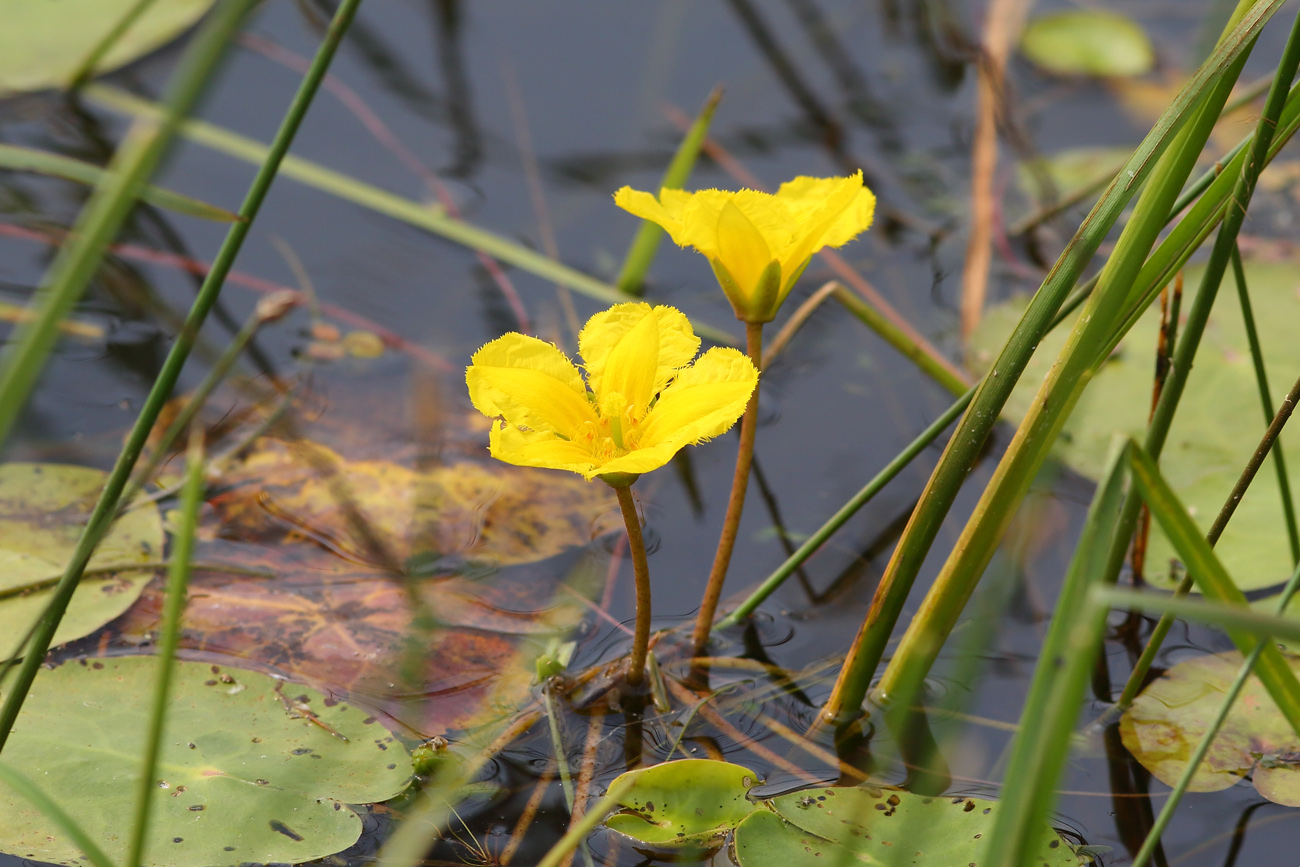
{"type": "Point", "coordinates": [583, 93]}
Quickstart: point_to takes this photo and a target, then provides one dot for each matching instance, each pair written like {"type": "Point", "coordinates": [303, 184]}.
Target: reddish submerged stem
{"type": "Point", "coordinates": [641, 570]}
{"type": "Point", "coordinates": [736, 504]}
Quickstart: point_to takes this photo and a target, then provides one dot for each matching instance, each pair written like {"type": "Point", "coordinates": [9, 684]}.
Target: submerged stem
{"type": "Point", "coordinates": [641, 570]}
{"type": "Point", "coordinates": [736, 503]}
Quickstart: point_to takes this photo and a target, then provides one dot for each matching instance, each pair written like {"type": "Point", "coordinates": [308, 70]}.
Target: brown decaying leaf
{"type": "Point", "coordinates": [408, 590]}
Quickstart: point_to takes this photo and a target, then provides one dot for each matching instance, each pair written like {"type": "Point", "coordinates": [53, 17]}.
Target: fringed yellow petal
{"type": "Point", "coordinates": [647, 207]}
{"type": "Point", "coordinates": [630, 368]}
{"type": "Point", "coordinates": [845, 210]}
{"type": "Point", "coordinates": [742, 247]}
{"type": "Point", "coordinates": [530, 383]}
{"type": "Point", "coordinates": [705, 400]}
{"type": "Point", "coordinates": [677, 341]}
{"type": "Point", "coordinates": [641, 461]}
{"type": "Point", "coordinates": [539, 449]}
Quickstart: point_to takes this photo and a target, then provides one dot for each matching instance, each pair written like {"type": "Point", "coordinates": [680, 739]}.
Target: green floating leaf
{"type": "Point", "coordinates": [1088, 42]}
{"type": "Point", "coordinates": [42, 44]}
{"type": "Point", "coordinates": [878, 826]}
{"type": "Point", "coordinates": [692, 802]}
{"type": "Point", "coordinates": [247, 773]}
{"type": "Point", "coordinates": [43, 508]}
{"type": "Point", "coordinates": [1218, 425]}
{"type": "Point", "coordinates": [1168, 719]}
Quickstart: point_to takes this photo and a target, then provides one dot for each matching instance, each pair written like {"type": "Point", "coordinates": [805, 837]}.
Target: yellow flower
{"type": "Point", "coordinates": [759, 243]}
{"type": "Point", "coordinates": [643, 399]}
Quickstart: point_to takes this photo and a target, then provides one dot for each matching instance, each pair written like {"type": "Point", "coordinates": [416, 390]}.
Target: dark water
{"type": "Point", "coordinates": [814, 88]}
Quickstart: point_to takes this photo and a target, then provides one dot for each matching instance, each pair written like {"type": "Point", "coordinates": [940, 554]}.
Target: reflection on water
{"type": "Point", "coordinates": [811, 87]}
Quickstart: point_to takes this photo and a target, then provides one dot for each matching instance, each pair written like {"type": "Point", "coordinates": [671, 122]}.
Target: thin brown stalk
{"type": "Point", "coordinates": [641, 571]}
{"type": "Point", "coordinates": [735, 504]}
{"type": "Point", "coordinates": [528, 814]}
{"type": "Point", "coordinates": [796, 321]}
{"type": "Point", "coordinates": [743, 740]}
{"type": "Point", "coordinates": [1002, 25]}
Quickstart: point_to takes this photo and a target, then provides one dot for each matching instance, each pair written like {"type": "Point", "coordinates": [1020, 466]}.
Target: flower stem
{"type": "Point", "coordinates": [641, 569]}
{"type": "Point", "coordinates": [735, 505]}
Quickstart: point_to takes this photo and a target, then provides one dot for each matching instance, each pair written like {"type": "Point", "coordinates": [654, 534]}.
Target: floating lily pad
{"type": "Point", "coordinates": [251, 770]}
{"type": "Point", "coordinates": [1074, 168]}
{"type": "Point", "coordinates": [1168, 719]}
{"type": "Point", "coordinates": [692, 802]}
{"type": "Point", "coordinates": [878, 826]}
{"type": "Point", "coordinates": [697, 801]}
{"type": "Point", "coordinates": [1088, 42]}
{"type": "Point", "coordinates": [43, 43]}
{"type": "Point", "coordinates": [1219, 420]}
{"type": "Point", "coordinates": [43, 508]}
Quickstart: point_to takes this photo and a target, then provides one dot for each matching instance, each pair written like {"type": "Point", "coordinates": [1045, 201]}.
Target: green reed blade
{"type": "Point", "coordinates": [1213, 580]}
{"type": "Point", "coordinates": [50, 809]}
{"type": "Point", "coordinates": [75, 263]}
{"type": "Point", "coordinates": [178, 582]}
{"type": "Point", "coordinates": [1242, 620]}
{"type": "Point", "coordinates": [1211, 84]}
{"type": "Point", "coordinates": [1042, 742]}
{"type": "Point", "coordinates": [24, 159]}
{"type": "Point", "coordinates": [1171, 803]}
{"type": "Point", "coordinates": [169, 372]}
{"type": "Point", "coordinates": [422, 216]}
{"type": "Point", "coordinates": [1266, 399]}
{"type": "Point", "coordinates": [646, 242]}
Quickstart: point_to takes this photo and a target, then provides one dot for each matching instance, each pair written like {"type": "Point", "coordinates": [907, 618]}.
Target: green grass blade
{"type": "Point", "coordinates": [646, 242]}
{"type": "Point", "coordinates": [1266, 400]}
{"type": "Point", "coordinates": [1213, 580]}
{"type": "Point", "coordinates": [1042, 742]}
{"type": "Point", "coordinates": [169, 373]}
{"type": "Point", "coordinates": [921, 644]}
{"type": "Point", "coordinates": [24, 354]}
{"type": "Point", "coordinates": [1241, 620]}
{"type": "Point", "coordinates": [847, 511]}
{"type": "Point", "coordinates": [24, 159]}
{"type": "Point", "coordinates": [51, 810]}
{"type": "Point", "coordinates": [178, 582]}
{"type": "Point", "coordinates": [429, 218]}
{"type": "Point", "coordinates": [1171, 803]}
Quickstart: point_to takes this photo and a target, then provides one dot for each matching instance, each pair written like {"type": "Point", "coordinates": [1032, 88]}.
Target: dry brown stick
{"type": "Point", "coordinates": [1002, 24]}
{"type": "Point", "coordinates": [796, 321]}
{"type": "Point", "coordinates": [811, 747]}
{"type": "Point", "coordinates": [688, 697]}
{"type": "Point", "coordinates": [527, 815]}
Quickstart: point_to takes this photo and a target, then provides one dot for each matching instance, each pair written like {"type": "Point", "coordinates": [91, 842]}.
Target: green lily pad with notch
{"type": "Point", "coordinates": [1091, 42]}
{"type": "Point", "coordinates": [879, 826]}
{"type": "Point", "coordinates": [1218, 424]}
{"type": "Point", "coordinates": [692, 802]}
{"type": "Point", "coordinates": [1169, 717]}
{"type": "Point", "coordinates": [43, 509]}
{"type": "Point", "coordinates": [251, 769]}
{"type": "Point", "coordinates": [43, 43]}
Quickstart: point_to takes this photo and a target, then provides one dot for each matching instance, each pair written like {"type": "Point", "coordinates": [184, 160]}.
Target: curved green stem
{"type": "Point", "coordinates": [736, 503]}
{"type": "Point", "coordinates": [641, 571]}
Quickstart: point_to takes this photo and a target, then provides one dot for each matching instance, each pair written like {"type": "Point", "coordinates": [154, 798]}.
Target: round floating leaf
{"type": "Point", "coordinates": [692, 802]}
{"type": "Point", "coordinates": [1218, 424]}
{"type": "Point", "coordinates": [1088, 42]}
{"type": "Point", "coordinates": [1168, 719]}
{"type": "Point", "coordinates": [878, 826]}
{"type": "Point", "coordinates": [251, 769]}
{"type": "Point", "coordinates": [43, 43]}
{"type": "Point", "coordinates": [43, 508]}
